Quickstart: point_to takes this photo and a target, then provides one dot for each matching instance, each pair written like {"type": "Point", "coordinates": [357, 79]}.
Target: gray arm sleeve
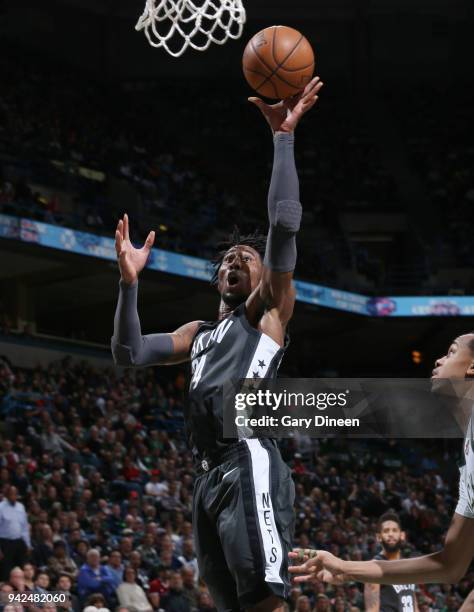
{"type": "Point", "coordinates": [284, 208]}
{"type": "Point", "coordinates": [129, 347]}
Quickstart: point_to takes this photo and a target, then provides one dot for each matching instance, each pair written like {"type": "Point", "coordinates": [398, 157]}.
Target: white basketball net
{"type": "Point", "coordinates": [193, 23]}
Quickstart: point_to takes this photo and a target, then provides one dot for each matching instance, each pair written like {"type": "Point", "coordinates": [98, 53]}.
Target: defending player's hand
{"type": "Point", "coordinates": [316, 566]}
{"type": "Point", "coordinates": [131, 260]}
{"type": "Point", "coordinates": [285, 115]}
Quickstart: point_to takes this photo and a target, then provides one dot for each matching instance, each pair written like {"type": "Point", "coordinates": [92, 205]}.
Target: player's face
{"type": "Point", "coordinates": [390, 536]}
{"type": "Point", "coordinates": [458, 363]}
{"type": "Point", "coordinates": [239, 274]}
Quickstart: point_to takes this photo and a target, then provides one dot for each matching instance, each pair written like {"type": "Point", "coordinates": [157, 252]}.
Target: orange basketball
{"type": "Point", "coordinates": [278, 62]}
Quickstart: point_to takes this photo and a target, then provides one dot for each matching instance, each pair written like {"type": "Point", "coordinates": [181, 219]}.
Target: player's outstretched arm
{"type": "Point", "coordinates": [284, 208]}
{"type": "Point", "coordinates": [445, 566]}
{"type": "Point", "coordinates": [129, 347]}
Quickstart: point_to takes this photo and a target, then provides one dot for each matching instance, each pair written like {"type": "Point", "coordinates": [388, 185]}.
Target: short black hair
{"type": "Point", "coordinates": [255, 240]}
{"type": "Point", "coordinates": [388, 516]}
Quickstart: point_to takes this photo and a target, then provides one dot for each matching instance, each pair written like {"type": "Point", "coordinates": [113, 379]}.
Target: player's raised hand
{"type": "Point", "coordinates": [316, 566]}
{"type": "Point", "coordinates": [284, 116]}
{"type": "Point", "coordinates": [131, 260]}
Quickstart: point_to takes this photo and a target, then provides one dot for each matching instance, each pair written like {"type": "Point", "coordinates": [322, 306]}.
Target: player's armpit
{"type": "Point", "coordinates": [277, 292]}
{"type": "Point", "coordinates": [372, 597]}
{"type": "Point", "coordinates": [270, 307]}
{"type": "Point", "coordinates": [182, 341]}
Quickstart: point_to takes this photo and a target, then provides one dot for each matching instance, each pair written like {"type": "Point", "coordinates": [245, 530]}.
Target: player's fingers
{"type": "Point", "coordinates": [297, 569]}
{"type": "Point", "coordinates": [307, 104]}
{"type": "Point", "coordinates": [313, 91]}
{"type": "Point", "coordinates": [257, 101]}
{"type": "Point", "coordinates": [311, 85]}
{"type": "Point", "coordinates": [118, 242]}
{"type": "Point", "coordinates": [150, 239]}
{"type": "Point", "coordinates": [120, 227]}
{"type": "Point", "coordinates": [303, 578]}
{"type": "Point", "coordinates": [126, 233]}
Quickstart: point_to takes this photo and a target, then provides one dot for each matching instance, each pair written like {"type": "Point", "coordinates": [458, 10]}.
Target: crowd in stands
{"type": "Point", "coordinates": [68, 151]}
{"type": "Point", "coordinates": [436, 123]}
{"type": "Point", "coordinates": [98, 461]}
{"type": "Point", "coordinates": [78, 156]}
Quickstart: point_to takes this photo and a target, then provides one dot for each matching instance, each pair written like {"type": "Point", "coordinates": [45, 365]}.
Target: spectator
{"type": "Point", "coordinates": [60, 562]}
{"type": "Point", "coordinates": [41, 583]}
{"type": "Point", "coordinates": [131, 595]}
{"type": "Point", "coordinates": [176, 600]}
{"type": "Point", "coordinates": [43, 550]}
{"type": "Point", "coordinates": [154, 487]}
{"type": "Point", "coordinates": [303, 604]}
{"type": "Point", "coordinates": [14, 533]}
{"type": "Point", "coordinates": [95, 603]}
{"type": "Point", "coordinates": [29, 575]}
{"type": "Point", "coordinates": [190, 591]}
{"type": "Point", "coordinates": [115, 567]}
{"type": "Point", "coordinates": [147, 550]}
{"type": "Point", "coordinates": [17, 580]}
{"type": "Point", "coordinates": [94, 577]}
{"type": "Point", "coordinates": [64, 585]}
{"type": "Point", "coordinates": [205, 603]}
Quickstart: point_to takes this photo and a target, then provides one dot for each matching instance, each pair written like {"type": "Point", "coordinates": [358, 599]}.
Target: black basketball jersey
{"type": "Point", "coordinates": [223, 351]}
{"type": "Point", "coordinates": [396, 597]}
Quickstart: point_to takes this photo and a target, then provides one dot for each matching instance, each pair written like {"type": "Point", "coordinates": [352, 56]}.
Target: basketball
{"type": "Point", "coordinates": [278, 62]}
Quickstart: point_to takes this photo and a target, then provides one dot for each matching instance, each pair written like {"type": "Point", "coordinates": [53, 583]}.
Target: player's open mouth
{"type": "Point", "coordinates": [233, 278]}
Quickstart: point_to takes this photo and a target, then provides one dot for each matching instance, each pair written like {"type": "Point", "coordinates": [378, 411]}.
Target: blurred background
{"type": "Point", "coordinates": [95, 123]}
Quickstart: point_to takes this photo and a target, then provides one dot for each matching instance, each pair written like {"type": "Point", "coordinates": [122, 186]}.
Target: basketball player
{"type": "Point", "coordinates": [393, 597]}
{"type": "Point", "coordinates": [447, 565]}
{"type": "Point", "coordinates": [243, 495]}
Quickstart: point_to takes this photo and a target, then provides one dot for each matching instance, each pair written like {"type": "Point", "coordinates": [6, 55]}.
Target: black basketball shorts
{"type": "Point", "coordinates": [243, 522]}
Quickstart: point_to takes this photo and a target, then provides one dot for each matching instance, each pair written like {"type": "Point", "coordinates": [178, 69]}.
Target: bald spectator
{"type": "Point", "coordinates": [131, 595]}
{"type": "Point", "coordinates": [14, 533]}
{"type": "Point", "coordinates": [17, 580]}
{"type": "Point", "coordinates": [94, 577]}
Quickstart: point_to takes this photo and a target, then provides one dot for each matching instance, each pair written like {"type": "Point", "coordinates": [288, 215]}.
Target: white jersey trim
{"type": "Point", "coordinates": [273, 551]}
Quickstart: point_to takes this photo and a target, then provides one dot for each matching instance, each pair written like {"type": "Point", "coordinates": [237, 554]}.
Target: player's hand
{"type": "Point", "coordinates": [316, 566]}
{"type": "Point", "coordinates": [131, 260]}
{"type": "Point", "coordinates": [284, 116]}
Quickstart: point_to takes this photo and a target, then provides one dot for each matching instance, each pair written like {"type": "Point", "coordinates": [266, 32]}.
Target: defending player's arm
{"type": "Point", "coordinates": [372, 597]}
{"type": "Point", "coordinates": [448, 565]}
{"type": "Point", "coordinates": [129, 347]}
{"type": "Point", "coordinates": [276, 291]}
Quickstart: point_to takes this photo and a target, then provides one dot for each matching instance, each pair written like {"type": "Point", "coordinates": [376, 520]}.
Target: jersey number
{"type": "Point", "coordinates": [407, 603]}
{"type": "Point", "coordinates": [198, 372]}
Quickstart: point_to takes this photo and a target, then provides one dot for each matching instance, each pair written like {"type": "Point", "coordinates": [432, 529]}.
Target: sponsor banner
{"type": "Point", "coordinates": [347, 408]}
{"type": "Point", "coordinates": [85, 243]}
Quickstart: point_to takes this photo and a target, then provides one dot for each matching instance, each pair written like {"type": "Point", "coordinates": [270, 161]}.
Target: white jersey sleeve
{"type": "Point", "coordinates": [465, 505]}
